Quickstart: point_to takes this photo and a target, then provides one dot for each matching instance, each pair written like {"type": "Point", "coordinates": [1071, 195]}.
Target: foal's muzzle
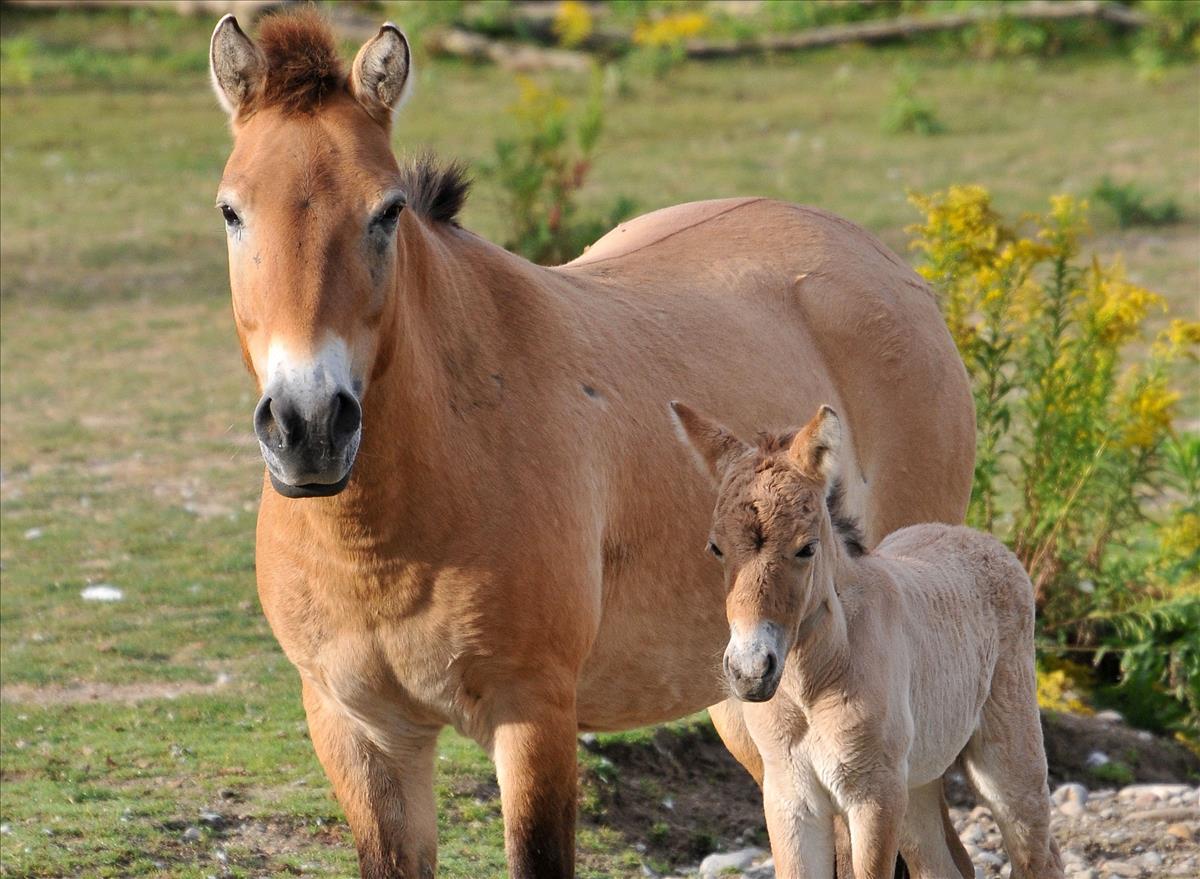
{"type": "Point", "coordinates": [309, 441]}
{"type": "Point", "coordinates": [754, 662]}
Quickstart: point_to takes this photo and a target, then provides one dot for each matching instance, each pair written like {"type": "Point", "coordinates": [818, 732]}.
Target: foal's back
{"type": "Point", "coordinates": [966, 609]}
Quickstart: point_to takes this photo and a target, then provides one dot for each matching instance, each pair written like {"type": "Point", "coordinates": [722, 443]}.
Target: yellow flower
{"type": "Point", "coordinates": [1179, 341]}
{"type": "Point", "coordinates": [572, 23]}
{"type": "Point", "coordinates": [670, 30]}
{"type": "Point", "coordinates": [536, 103]}
{"type": "Point", "coordinates": [1151, 412]}
{"type": "Point", "coordinates": [1118, 305]}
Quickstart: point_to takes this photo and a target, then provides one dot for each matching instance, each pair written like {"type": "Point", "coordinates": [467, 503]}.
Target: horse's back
{"type": "Point", "coordinates": [813, 287]}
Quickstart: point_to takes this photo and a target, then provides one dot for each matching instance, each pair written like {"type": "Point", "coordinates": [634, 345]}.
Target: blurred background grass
{"type": "Point", "coordinates": [126, 445]}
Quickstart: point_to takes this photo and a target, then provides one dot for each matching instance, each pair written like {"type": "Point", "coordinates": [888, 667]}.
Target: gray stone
{"type": "Point", "coordinates": [192, 834]}
{"type": "Point", "coordinates": [214, 820]}
{"type": "Point", "coordinates": [1070, 793]}
{"type": "Point", "coordinates": [1150, 860]}
{"type": "Point", "coordinates": [716, 864]}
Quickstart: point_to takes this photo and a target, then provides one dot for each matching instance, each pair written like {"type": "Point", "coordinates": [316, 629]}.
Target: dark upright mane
{"type": "Point", "coordinates": [435, 191]}
{"type": "Point", "coordinates": [303, 67]}
{"type": "Point", "coordinates": [846, 526]}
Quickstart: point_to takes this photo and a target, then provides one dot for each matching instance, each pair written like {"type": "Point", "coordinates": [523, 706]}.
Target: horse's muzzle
{"type": "Point", "coordinates": [309, 445]}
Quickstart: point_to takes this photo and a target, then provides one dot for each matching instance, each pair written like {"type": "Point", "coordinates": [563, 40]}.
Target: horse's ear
{"type": "Point", "coordinates": [236, 64]}
{"type": "Point", "coordinates": [714, 447]}
{"type": "Point", "coordinates": [380, 75]}
{"type": "Point", "coordinates": [816, 446]}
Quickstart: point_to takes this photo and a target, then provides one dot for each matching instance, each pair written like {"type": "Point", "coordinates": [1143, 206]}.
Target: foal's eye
{"type": "Point", "coordinates": [230, 215]}
{"type": "Point", "coordinates": [807, 551]}
{"type": "Point", "coordinates": [715, 550]}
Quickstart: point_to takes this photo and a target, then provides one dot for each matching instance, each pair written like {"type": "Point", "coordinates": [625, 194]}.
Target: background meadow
{"type": "Point", "coordinates": [1044, 175]}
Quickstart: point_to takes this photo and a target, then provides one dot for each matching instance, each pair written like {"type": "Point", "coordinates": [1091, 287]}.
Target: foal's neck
{"type": "Point", "coordinates": [821, 652]}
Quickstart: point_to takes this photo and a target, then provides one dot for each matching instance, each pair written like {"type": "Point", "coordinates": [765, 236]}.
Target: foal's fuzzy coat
{"type": "Point", "coordinates": [885, 667]}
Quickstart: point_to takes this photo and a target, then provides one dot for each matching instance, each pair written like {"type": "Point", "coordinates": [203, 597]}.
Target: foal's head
{"type": "Point", "coordinates": [771, 530]}
{"type": "Point", "coordinates": [312, 200]}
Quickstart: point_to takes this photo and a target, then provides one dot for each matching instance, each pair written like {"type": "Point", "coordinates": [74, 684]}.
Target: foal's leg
{"type": "Point", "coordinates": [875, 834]}
{"type": "Point", "coordinates": [801, 830]}
{"type": "Point", "coordinates": [533, 744]}
{"type": "Point", "coordinates": [925, 841]}
{"type": "Point", "coordinates": [1006, 763]}
{"type": "Point", "coordinates": [387, 796]}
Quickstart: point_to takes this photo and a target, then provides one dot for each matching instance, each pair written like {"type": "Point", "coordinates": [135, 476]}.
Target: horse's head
{"type": "Point", "coordinates": [311, 200]}
{"type": "Point", "coordinates": [770, 529]}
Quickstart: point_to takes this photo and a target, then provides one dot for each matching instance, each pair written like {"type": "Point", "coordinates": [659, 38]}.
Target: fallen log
{"type": "Point", "coordinates": [889, 30]}
{"type": "Point", "coordinates": [504, 53]}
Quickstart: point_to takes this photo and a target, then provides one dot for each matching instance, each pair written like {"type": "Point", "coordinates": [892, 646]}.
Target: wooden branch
{"type": "Point", "coordinates": [507, 54]}
{"type": "Point", "coordinates": [887, 30]}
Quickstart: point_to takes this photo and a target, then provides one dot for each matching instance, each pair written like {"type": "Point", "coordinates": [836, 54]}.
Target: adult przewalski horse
{"type": "Point", "coordinates": [476, 511]}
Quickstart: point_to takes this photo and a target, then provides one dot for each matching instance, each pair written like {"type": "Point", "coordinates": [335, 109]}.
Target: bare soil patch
{"type": "Point", "coordinates": [74, 694]}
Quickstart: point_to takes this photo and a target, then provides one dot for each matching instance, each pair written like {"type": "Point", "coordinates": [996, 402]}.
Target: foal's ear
{"type": "Point", "coordinates": [816, 446]}
{"type": "Point", "coordinates": [236, 65]}
{"type": "Point", "coordinates": [715, 447]}
{"type": "Point", "coordinates": [380, 75]}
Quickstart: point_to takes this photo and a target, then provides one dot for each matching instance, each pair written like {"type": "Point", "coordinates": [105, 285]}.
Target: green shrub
{"type": "Point", "coordinates": [1131, 206]}
{"type": "Point", "coordinates": [1079, 468]}
{"type": "Point", "coordinates": [908, 114]}
{"type": "Point", "coordinates": [543, 169]}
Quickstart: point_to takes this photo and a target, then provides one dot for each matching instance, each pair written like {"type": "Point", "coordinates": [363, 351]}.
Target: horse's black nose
{"type": "Point", "coordinates": [278, 424]}
{"type": "Point", "coordinates": [345, 418]}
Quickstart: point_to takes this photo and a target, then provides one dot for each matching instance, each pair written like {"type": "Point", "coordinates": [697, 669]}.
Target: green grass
{"type": "Point", "coordinates": [126, 413]}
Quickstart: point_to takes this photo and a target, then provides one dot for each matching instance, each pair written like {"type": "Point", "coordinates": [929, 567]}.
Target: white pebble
{"type": "Point", "coordinates": [102, 592]}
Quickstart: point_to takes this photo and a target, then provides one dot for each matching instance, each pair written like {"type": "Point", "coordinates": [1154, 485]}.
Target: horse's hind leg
{"type": "Point", "coordinates": [1006, 762]}
{"type": "Point", "coordinates": [928, 842]}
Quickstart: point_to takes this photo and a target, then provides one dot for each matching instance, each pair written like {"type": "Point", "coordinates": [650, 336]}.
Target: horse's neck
{"type": "Point", "coordinates": [443, 345]}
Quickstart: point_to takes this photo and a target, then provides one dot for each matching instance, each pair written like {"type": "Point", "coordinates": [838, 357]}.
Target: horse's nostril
{"type": "Point", "coordinates": [771, 661]}
{"type": "Point", "coordinates": [345, 417]}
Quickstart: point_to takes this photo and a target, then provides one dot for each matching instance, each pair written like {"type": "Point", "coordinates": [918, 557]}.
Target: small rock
{"type": "Point", "coordinates": [5, 829]}
{"type": "Point", "coordinates": [1070, 793]}
{"type": "Point", "coordinates": [990, 858]}
{"type": "Point", "coordinates": [1109, 716]}
{"type": "Point", "coordinates": [1121, 868]}
{"type": "Point", "coordinates": [1072, 809]}
{"type": "Point", "coordinates": [33, 533]}
{"type": "Point", "coordinates": [214, 820]}
{"type": "Point", "coordinates": [192, 834]}
{"type": "Point", "coordinates": [765, 870]}
{"type": "Point", "coordinates": [1150, 860]}
{"type": "Point", "coordinates": [1169, 816]}
{"type": "Point", "coordinates": [1096, 758]}
{"type": "Point", "coordinates": [102, 592]}
{"type": "Point", "coordinates": [1085, 873]}
{"type": "Point", "coordinates": [716, 864]}
{"type": "Point", "coordinates": [589, 741]}
{"type": "Point", "coordinates": [1156, 791]}
{"type": "Point", "coordinates": [1181, 831]}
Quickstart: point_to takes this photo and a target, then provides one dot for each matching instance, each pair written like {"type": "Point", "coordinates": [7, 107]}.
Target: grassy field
{"type": "Point", "coordinates": [127, 453]}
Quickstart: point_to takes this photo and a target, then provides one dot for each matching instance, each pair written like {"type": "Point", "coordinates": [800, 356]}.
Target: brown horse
{"type": "Point", "coordinates": [476, 512]}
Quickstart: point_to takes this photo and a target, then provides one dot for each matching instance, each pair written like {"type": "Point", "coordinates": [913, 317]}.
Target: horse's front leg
{"type": "Point", "coordinates": [385, 789]}
{"type": "Point", "coordinates": [533, 744]}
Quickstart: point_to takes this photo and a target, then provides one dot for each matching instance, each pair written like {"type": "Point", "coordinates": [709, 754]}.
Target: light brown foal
{"type": "Point", "coordinates": [867, 675]}
{"type": "Point", "coordinates": [474, 512]}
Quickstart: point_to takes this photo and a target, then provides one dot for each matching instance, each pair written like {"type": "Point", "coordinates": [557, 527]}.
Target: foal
{"type": "Point", "coordinates": [884, 666]}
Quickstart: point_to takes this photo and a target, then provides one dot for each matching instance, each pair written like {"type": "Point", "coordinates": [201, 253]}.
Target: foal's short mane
{"type": "Point", "coordinates": [848, 528]}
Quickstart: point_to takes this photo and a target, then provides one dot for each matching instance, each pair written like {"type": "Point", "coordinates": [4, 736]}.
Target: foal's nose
{"type": "Point", "coordinates": [752, 664]}
{"type": "Point", "coordinates": [281, 425]}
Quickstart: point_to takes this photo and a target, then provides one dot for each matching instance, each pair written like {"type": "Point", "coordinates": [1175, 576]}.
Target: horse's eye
{"type": "Point", "coordinates": [230, 215]}
{"type": "Point", "coordinates": [389, 215]}
{"type": "Point", "coordinates": [807, 551]}
{"type": "Point", "coordinates": [715, 550]}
